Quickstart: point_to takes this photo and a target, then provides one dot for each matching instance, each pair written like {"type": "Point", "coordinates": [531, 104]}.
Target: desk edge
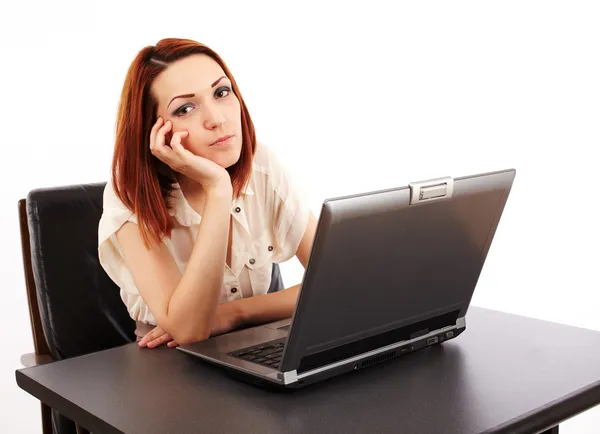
{"type": "Point", "coordinates": [553, 413]}
{"type": "Point", "coordinates": [63, 405]}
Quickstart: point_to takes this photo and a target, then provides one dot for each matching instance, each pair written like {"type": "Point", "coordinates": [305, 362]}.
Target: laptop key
{"type": "Point", "coordinates": [271, 351]}
{"type": "Point", "coordinates": [262, 353]}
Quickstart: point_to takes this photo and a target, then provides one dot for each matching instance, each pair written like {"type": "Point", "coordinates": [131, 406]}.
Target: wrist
{"type": "Point", "coordinates": [240, 314]}
{"type": "Point", "coordinates": [221, 187]}
{"type": "Point", "coordinates": [236, 312]}
{"type": "Point", "coordinates": [221, 191]}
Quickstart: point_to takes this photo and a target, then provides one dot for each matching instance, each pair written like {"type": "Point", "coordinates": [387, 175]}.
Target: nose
{"type": "Point", "coordinates": [214, 117]}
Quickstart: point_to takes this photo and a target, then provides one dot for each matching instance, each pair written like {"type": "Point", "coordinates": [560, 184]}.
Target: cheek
{"type": "Point", "coordinates": [235, 111]}
{"type": "Point", "coordinates": [194, 142]}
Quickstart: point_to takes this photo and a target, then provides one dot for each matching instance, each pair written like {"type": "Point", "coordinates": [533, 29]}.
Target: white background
{"type": "Point", "coordinates": [355, 96]}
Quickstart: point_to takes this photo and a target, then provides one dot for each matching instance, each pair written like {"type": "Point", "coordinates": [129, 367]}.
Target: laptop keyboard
{"type": "Point", "coordinates": [267, 354]}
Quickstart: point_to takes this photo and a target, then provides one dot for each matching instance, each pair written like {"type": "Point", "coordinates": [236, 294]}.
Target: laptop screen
{"type": "Point", "coordinates": [379, 264]}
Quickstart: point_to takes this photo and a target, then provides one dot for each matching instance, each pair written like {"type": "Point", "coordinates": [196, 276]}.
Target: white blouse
{"type": "Point", "coordinates": [269, 220]}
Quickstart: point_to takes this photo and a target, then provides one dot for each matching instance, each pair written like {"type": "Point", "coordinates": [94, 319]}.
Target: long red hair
{"type": "Point", "coordinates": [141, 181]}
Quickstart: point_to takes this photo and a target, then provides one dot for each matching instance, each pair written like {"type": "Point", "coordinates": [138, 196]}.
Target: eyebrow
{"type": "Point", "coordinates": [189, 95]}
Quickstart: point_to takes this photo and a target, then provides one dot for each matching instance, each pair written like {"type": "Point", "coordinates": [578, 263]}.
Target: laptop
{"type": "Point", "coordinates": [390, 272]}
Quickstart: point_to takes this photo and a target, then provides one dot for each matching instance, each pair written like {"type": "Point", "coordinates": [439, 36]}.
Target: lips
{"type": "Point", "coordinates": [222, 139]}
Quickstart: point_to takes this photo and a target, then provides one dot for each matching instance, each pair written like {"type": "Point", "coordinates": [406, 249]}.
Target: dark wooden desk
{"type": "Point", "coordinates": [505, 374]}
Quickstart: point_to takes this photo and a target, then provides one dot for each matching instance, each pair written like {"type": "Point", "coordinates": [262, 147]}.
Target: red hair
{"type": "Point", "coordinates": [141, 181]}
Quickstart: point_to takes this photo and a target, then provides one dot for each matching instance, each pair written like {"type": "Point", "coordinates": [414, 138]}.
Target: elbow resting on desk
{"type": "Point", "coordinates": [190, 327]}
{"type": "Point", "coordinates": [182, 330]}
{"type": "Point", "coordinates": [189, 337]}
{"type": "Point", "coordinates": [186, 335]}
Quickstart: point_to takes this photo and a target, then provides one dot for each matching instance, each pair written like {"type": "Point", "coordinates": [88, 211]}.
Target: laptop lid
{"type": "Point", "coordinates": [384, 260]}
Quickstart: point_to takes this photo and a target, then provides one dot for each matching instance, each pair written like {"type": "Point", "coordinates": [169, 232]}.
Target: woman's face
{"type": "Point", "coordinates": [195, 95]}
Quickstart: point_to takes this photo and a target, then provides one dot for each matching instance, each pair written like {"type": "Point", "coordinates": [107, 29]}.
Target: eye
{"type": "Point", "coordinates": [222, 89]}
{"type": "Point", "coordinates": [180, 111]}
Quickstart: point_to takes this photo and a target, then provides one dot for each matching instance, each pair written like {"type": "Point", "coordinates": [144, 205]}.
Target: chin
{"type": "Point", "coordinates": [227, 159]}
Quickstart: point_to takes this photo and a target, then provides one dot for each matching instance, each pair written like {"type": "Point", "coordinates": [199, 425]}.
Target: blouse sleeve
{"type": "Point", "coordinates": [114, 215]}
{"type": "Point", "coordinates": [290, 209]}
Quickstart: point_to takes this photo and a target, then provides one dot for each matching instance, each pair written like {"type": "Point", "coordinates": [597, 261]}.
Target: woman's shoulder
{"type": "Point", "coordinates": [272, 173]}
{"type": "Point", "coordinates": [260, 162]}
{"type": "Point", "coordinates": [267, 160]}
{"type": "Point", "coordinates": [110, 200]}
{"type": "Point", "coordinates": [114, 213]}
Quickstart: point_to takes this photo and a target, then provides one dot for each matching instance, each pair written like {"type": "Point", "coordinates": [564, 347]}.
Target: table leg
{"type": "Point", "coordinates": [46, 419]}
{"type": "Point", "coordinates": [81, 430]}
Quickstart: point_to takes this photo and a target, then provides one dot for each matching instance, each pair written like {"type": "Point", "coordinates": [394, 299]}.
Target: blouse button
{"type": "Point", "coordinates": [252, 261]}
{"type": "Point", "coordinates": [233, 290]}
{"type": "Point", "coordinates": [237, 209]}
{"type": "Point", "coordinates": [270, 248]}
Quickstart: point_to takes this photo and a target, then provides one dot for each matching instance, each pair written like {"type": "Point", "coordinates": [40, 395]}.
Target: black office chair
{"type": "Point", "coordinates": [74, 307]}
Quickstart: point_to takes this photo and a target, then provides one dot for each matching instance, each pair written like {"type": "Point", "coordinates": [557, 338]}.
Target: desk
{"type": "Point", "coordinates": [504, 374]}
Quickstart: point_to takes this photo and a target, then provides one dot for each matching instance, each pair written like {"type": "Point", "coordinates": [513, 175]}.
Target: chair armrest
{"type": "Point", "coordinates": [31, 359]}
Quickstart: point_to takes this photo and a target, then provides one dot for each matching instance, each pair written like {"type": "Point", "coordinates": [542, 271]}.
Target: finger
{"type": "Point", "coordinates": [160, 340]}
{"type": "Point", "coordinates": [172, 344]}
{"type": "Point", "coordinates": [176, 141]}
{"type": "Point", "coordinates": [151, 335]}
{"type": "Point", "coordinates": [165, 153]}
{"type": "Point", "coordinates": [144, 341]}
{"type": "Point", "coordinates": [159, 143]}
{"type": "Point", "coordinates": [154, 131]}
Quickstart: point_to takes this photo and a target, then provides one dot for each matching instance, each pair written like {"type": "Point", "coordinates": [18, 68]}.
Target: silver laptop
{"type": "Point", "coordinates": [390, 272]}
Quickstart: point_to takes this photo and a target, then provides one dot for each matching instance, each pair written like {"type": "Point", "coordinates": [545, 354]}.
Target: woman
{"type": "Point", "coordinates": [196, 211]}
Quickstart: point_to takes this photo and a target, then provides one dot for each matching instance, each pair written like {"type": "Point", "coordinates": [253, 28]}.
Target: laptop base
{"type": "Point", "coordinates": [344, 368]}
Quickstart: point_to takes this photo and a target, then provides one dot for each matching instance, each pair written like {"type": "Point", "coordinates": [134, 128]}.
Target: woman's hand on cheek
{"type": "Point", "coordinates": [202, 170]}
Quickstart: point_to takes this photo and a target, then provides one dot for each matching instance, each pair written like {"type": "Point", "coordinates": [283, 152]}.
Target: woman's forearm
{"type": "Point", "coordinates": [267, 308]}
{"type": "Point", "coordinates": [198, 293]}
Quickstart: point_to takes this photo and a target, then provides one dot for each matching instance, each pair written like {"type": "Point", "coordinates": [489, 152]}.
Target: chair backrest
{"type": "Point", "coordinates": [39, 341]}
{"type": "Point", "coordinates": [80, 309]}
